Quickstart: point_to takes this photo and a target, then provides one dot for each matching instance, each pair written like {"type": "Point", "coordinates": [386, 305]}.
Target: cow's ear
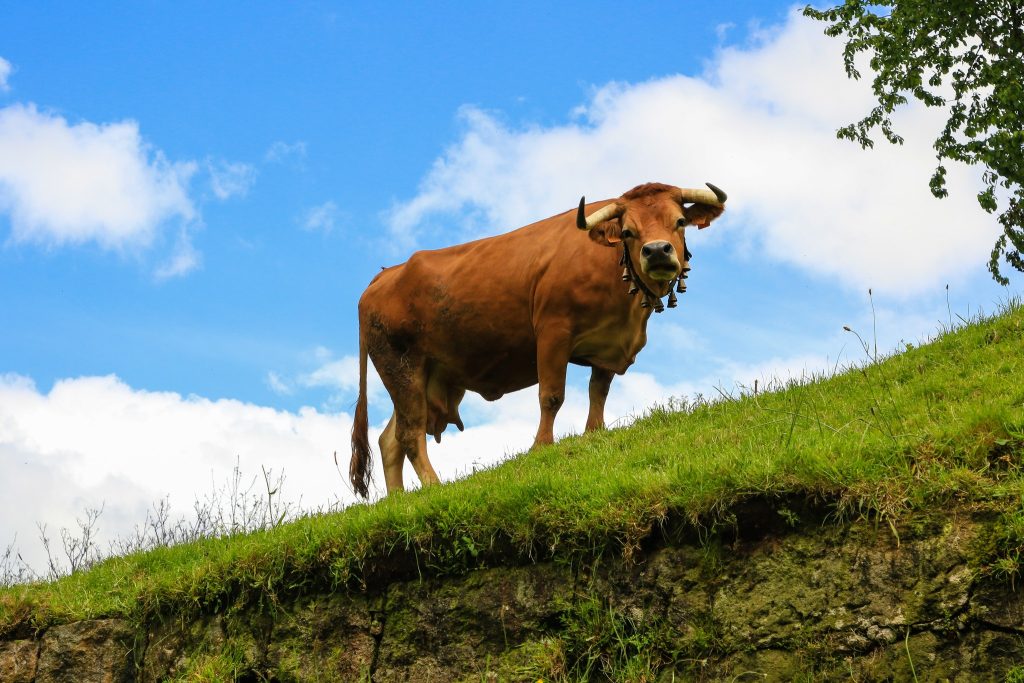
{"type": "Point", "coordinates": [700, 215]}
{"type": "Point", "coordinates": [606, 234]}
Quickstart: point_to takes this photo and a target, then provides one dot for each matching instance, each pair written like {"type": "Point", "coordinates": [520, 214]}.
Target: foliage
{"type": "Point", "coordinates": [1015, 675]}
{"type": "Point", "coordinates": [599, 642]}
{"type": "Point", "coordinates": [965, 55]}
{"type": "Point", "coordinates": [217, 667]}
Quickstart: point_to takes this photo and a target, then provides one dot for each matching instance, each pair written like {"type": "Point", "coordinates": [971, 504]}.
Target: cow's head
{"type": "Point", "coordinates": [650, 220]}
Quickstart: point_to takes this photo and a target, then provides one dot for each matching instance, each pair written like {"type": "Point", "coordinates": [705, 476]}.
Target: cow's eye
{"type": "Point", "coordinates": [681, 223]}
{"type": "Point", "coordinates": [627, 233]}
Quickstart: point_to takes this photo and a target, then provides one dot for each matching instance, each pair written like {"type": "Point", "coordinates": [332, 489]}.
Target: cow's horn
{"type": "Point", "coordinates": [719, 193]}
{"type": "Point", "coordinates": [584, 222]}
{"type": "Point", "coordinates": [714, 196]}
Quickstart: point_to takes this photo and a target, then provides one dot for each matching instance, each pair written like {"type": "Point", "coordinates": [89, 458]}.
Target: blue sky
{"type": "Point", "coordinates": [364, 97]}
{"type": "Point", "coordinates": [193, 196]}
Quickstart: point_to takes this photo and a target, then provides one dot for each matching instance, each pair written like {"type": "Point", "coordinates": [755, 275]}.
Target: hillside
{"type": "Point", "coordinates": [878, 514]}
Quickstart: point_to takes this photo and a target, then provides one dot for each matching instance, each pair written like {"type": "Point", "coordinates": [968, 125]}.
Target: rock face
{"type": "Point", "coordinates": [99, 650]}
{"type": "Point", "coordinates": [821, 602]}
{"type": "Point", "coordinates": [18, 661]}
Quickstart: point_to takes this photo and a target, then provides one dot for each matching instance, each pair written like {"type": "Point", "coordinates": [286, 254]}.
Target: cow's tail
{"type": "Point", "coordinates": [359, 466]}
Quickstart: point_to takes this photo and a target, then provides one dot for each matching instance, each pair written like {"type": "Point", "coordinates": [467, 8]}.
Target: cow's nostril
{"type": "Point", "coordinates": [658, 249]}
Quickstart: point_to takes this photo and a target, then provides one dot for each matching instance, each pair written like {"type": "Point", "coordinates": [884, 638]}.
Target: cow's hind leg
{"type": "Point", "coordinates": [402, 368]}
{"type": "Point", "coordinates": [408, 389]}
{"type": "Point", "coordinates": [411, 432]}
{"type": "Point", "coordinates": [418, 457]}
{"type": "Point", "coordinates": [392, 457]}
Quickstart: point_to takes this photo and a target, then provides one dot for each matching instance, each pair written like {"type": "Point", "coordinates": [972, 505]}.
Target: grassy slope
{"type": "Point", "coordinates": [936, 426]}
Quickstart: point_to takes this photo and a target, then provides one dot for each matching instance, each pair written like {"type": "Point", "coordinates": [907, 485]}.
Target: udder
{"type": "Point", "coordinates": [443, 399]}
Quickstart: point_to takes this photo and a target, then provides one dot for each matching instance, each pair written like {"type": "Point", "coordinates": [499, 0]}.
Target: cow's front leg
{"type": "Point", "coordinates": [553, 351]}
{"type": "Point", "coordinates": [600, 382]}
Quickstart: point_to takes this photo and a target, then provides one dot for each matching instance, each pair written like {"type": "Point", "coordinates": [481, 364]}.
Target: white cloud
{"type": "Point", "coordinates": [760, 123]}
{"type": "Point", "coordinates": [776, 372]}
{"type": "Point", "coordinates": [278, 385]}
{"type": "Point", "coordinates": [64, 183]}
{"type": "Point", "coordinates": [342, 373]}
{"type": "Point", "coordinates": [183, 260]}
{"type": "Point", "coordinates": [5, 73]}
{"type": "Point", "coordinates": [92, 440]}
{"type": "Point", "coordinates": [282, 151]}
{"type": "Point", "coordinates": [322, 218]}
{"type": "Point", "coordinates": [338, 375]}
{"type": "Point", "coordinates": [230, 179]}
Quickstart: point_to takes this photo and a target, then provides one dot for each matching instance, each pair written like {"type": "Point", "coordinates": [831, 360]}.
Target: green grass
{"type": "Point", "coordinates": [935, 427]}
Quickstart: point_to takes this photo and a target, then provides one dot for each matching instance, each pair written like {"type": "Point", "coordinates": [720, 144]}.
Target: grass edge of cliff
{"type": "Point", "coordinates": [912, 435]}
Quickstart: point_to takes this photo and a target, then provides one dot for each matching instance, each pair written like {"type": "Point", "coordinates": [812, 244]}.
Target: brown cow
{"type": "Point", "coordinates": [506, 312]}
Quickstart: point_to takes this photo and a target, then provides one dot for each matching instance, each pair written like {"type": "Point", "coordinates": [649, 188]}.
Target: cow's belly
{"type": "Point", "coordinates": [494, 386]}
{"type": "Point", "coordinates": [491, 374]}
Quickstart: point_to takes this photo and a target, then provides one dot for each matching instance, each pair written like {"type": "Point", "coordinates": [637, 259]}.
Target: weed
{"type": "Point", "coordinates": [599, 642]}
{"type": "Point", "coordinates": [231, 509]}
{"type": "Point", "coordinates": [910, 658]}
{"type": "Point", "coordinates": [215, 667]}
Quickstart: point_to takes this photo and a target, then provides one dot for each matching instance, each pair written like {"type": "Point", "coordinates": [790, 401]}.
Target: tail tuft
{"type": "Point", "coordinates": [359, 467]}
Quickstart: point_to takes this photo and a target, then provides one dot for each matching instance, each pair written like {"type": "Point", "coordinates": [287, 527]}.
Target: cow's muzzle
{"type": "Point", "coordinates": [658, 260]}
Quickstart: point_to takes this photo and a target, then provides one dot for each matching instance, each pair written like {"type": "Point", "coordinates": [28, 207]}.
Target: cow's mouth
{"type": "Point", "coordinates": [662, 274]}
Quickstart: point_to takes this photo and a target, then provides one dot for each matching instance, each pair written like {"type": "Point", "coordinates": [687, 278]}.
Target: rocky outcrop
{"type": "Point", "coordinates": [98, 650]}
{"type": "Point", "coordinates": [818, 601]}
{"type": "Point", "coordinates": [18, 661]}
